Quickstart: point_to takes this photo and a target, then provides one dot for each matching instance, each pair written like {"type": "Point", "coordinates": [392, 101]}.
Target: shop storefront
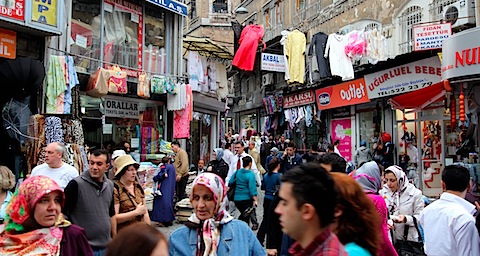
{"type": "Point", "coordinates": [460, 67]}
{"type": "Point", "coordinates": [25, 27]}
{"type": "Point", "coordinates": [342, 125]}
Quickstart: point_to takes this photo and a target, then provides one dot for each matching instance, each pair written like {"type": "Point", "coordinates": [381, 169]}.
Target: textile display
{"type": "Point", "coordinates": [244, 58]}
{"type": "Point", "coordinates": [195, 70]}
{"type": "Point", "coordinates": [182, 118]}
{"type": "Point", "coordinates": [283, 41]}
{"type": "Point", "coordinates": [295, 47]}
{"type": "Point", "coordinates": [340, 63]}
{"type": "Point", "coordinates": [177, 101]}
{"type": "Point", "coordinates": [158, 84]}
{"type": "Point", "coordinates": [149, 140]}
{"type": "Point", "coordinates": [44, 130]}
{"type": "Point", "coordinates": [317, 48]}
{"type": "Point", "coordinates": [56, 84]}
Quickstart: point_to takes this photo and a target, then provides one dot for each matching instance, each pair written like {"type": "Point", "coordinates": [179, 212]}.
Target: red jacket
{"type": "Point", "coordinates": [245, 56]}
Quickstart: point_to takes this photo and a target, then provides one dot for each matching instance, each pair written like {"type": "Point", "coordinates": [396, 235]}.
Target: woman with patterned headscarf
{"type": "Point", "coordinates": [404, 202]}
{"type": "Point", "coordinates": [369, 176]}
{"type": "Point", "coordinates": [34, 223]}
{"type": "Point", "coordinates": [211, 230]}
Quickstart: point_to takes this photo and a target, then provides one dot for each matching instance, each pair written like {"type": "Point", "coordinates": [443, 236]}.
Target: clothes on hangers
{"type": "Point", "coordinates": [283, 42]}
{"type": "Point", "coordinates": [340, 63]}
{"type": "Point", "coordinates": [295, 52]}
{"type": "Point", "coordinates": [195, 70]}
{"type": "Point", "coordinates": [244, 58]}
{"type": "Point", "coordinates": [317, 48]}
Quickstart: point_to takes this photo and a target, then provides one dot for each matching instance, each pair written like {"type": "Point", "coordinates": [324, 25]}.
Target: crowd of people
{"type": "Point", "coordinates": [311, 206]}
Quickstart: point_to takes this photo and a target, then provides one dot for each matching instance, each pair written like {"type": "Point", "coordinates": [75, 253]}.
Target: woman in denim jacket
{"type": "Point", "coordinates": [211, 230]}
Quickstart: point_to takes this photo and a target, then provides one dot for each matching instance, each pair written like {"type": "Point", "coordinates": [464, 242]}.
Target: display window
{"type": "Point", "coordinates": [155, 54]}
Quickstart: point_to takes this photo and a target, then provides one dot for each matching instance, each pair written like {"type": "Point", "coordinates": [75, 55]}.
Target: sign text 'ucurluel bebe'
{"type": "Point", "coordinates": [404, 78]}
{"type": "Point", "coordinates": [344, 94]}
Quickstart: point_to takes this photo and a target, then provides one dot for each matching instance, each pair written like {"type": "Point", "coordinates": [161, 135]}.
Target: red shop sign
{"type": "Point", "coordinates": [14, 10]}
{"type": "Point", "coordinates": [299, 99]}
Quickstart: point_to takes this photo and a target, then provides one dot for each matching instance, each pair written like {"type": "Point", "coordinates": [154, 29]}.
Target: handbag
{"type": "Point", "coordinates": [97, 86]}
{"type": "Point", "coordinates": [143, 86]}
{"type": "Point", "coordinates": [157, 84]}
{"type": "Point", "coordinates": [117, 82]}
{"type": "Point", "coordinates": [410, 248]}
{"type": "Point", "coordinates": [232, 188]}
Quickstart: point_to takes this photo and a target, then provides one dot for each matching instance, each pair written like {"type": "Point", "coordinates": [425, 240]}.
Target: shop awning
{"type": "Point", "coordinates": [206, 47]}
{"type": "Point", "coordinates": [419, 99]}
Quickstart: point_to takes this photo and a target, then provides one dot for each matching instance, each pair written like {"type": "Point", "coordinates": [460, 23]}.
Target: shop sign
{"type": "Point", "coordinates": [341, 112]}
{"type": "Point", "coordinates": [298, 99]}
{"type": "Point", "coordinates": [13, 9]}
{"type": "Point", "coordinates": [342, 130]}
{"type": "Point", "coordinates": [273, 62]}
{"type": "Point", "coordinates": [45, 12]}
{"type": "Point", "coordinates": [121, 108]}
{"type": "Point", "coordinates": [171, 5]}
{"type": "Point", "coordinates": [405, 78]}
{"type": "Point", "coordinates": [344, 94]}
{"type": "Point", "coordinates": [428, 37]}
{"type": "Point", "coordinates": [461, 54]}
{"type": "Point", "coordinates": [8, 44]}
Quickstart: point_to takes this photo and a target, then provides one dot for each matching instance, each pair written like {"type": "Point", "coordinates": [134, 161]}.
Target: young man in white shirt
{"type": "Point", "coordinates": [448, 223]}
{"type": "Point", "coordinates": [54, 168]}
{"type": "Point", "coordinates": [227, 153]}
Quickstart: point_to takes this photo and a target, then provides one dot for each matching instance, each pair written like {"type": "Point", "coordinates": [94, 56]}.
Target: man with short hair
{"type": "Point", "coordinates": [332, 162]}
{"type": "Point", "coordinates": [89, 202]}
{"type": "Point", "coordinates": [282, 144]}
{"type": "Point", "coordinates": [54, 168]}
{"type": "Point", "coordinates": [290, 157]}
{"type": "Point", "coordinates": [200, 166]}
{"type": "Point", "coordinates": [312, 155]}
{"type": "Point", "coordinates": [236, 163]}
{"type": "Point", "coordinates": [181, 168]}
{"type": "Point", "coordinates": [306, 209]}
{"type": "Point", "coordinates": [448, 223]}
{"type": "Point", "coordinates": [227, 153]}
{"type": "Point", "coordinates": [252, 150]}
{"type": "Point", "coordinates": [336, 144]}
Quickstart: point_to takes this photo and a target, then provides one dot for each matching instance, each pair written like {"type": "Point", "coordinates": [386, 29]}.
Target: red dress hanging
{"type": "Point", "coordinates": [245, 56]}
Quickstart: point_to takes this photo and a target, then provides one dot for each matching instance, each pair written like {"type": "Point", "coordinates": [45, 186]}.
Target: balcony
{"type": "Point", "coordinates": [307, 13]}
{"type": "Point", "coordinates": [272, 32]}
{"type": "Point", "coordinates": [405, 47]}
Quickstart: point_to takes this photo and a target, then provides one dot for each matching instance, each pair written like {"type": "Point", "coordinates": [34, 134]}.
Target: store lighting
{"type": "Point", "coordinates": [241, 10]}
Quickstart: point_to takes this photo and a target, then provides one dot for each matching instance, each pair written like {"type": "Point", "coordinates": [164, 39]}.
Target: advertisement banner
{"type": "Point", "coordinates": [298, 99]}
{"type": "Point", "coordinates": [342, 130]}
{"type": "Point", "coordinates": [405, 78]}
{"type": "Point", "coordinates": [461, 54]}
{"type": "Point", "coordinates": [8, 44]}
{"type": "Point", "coordinates": [171, 5]}
{"type": "Point", "coordinates": [428, 37]}
{"type": "Point", "coordinates": [121, 108]}
{"type": "Point", "coordinates": [45, 12]}
{"type": "Point", "coordinates": [273, 62]}
{"type": "Point", "coordinates": [13, 9]}
{"type": "Point", "coordinates": [344, 94]}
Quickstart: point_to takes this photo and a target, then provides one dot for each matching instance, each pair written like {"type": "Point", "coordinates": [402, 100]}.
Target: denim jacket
{"type": "Point", "coordinates": [236, 239]}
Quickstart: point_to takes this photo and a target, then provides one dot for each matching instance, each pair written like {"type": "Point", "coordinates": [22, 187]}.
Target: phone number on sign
{"type": "Point", "coordinates": [407, 88]}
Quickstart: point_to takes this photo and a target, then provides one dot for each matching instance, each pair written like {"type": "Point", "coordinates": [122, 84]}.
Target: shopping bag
{"type": "Point", "coordinates": [158, 84]}
{"type": "Point", "coordinates": [117, 82]}
{"type": "Point", "coordinates": [97, 86]}
{"type": "Point", "coordinates": [143, 86]}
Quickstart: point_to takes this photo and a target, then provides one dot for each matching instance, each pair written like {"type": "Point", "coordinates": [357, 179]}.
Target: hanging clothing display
{"type": "Point", "coordinates": [204, 85]}
{"type": "Point", "coordinates": [177, 101]}
{"type": "Point", "coordinates": [376, 46]}
{"type": "Point", "coordinates": [295, 52]}
{"type": "Point", "coordinates": [317, 47]}
{"type": "Point", "coordinates": [212, 76]}
{"type": "Point", "coordinates": [195, 70]}
{"type": "Point", "coordinates": [61, 78]}
{"type": "Point", "coordinates": [244, 58]}
{"type": "Point", "coordinates": [283, 41]}
{"type": "Point", "coordinates": [182, 118]}
{"type": "Point", "coordinates": [340, 63]}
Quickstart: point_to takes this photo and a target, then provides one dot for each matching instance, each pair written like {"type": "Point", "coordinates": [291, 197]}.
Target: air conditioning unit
{"type": "Point", "coordinates": [267, 79]}
{"type": "Point", "coordinates": [460, 13]}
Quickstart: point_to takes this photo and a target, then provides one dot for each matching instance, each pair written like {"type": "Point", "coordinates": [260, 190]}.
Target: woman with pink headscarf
{"type": "Point", "coordinates": [211, 230]}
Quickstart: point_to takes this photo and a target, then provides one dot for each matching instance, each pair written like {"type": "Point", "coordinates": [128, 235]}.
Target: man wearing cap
{"type": "Point", "coordinates": [181, 168]}
{"type": "Point", "coordinates": [89, 202]}
{"type": "Point", "coordinates": [54, 168]}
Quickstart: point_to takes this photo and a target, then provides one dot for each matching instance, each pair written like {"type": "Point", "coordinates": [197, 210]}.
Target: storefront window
{"type": "Point", "coordinates": [122, 34]}
{"type": "Point", "coordinates": [248, 125]}
{"type": "Point", "coordinates": [155, 54]}
{"type": "Point", "coordinates": [201, 132]}
{"type": "Point", "coordinates": [85, 34]}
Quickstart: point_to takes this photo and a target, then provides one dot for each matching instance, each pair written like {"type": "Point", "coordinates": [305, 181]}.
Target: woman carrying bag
{"type": "Point", "coordinates": [246, 190]}
{"type": "Point", "coordinates": [404, 202]}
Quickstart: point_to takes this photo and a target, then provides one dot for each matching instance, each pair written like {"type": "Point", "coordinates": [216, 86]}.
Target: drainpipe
{"type": "Point", "coordinates": [477, 13]}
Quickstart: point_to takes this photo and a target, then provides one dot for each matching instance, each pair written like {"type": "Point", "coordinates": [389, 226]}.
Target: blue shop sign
{"type": "Point", "coordinates": [171, 5]}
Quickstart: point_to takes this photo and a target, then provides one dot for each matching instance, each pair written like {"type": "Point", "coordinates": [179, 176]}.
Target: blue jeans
{"type": "Point", "coordinates": [98, 251]}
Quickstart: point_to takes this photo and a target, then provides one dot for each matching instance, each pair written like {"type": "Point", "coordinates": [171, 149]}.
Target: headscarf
{"type": "Point", "coordinates": [368, 176]}
{"type": "Point", "coordinates": [275, 151]}
{"type": "Point", "coordinates": [208, 231]}
{"type": "Point", "coordinates": [42, 241]}
{"type": "Point", "coordinates": [219, 152]}
{"type": "Point", "coordinates": [393, 198]}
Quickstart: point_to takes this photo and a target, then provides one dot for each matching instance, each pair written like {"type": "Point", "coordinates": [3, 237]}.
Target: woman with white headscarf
{"type": "Point", "coordinates": [404, 202]}
{"type": "Point", "coordinates": [211, 230]}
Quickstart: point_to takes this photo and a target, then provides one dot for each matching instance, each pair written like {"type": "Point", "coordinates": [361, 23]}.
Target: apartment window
{"type": "Point", "coordinates": [193, 9]}
{"type": "Point", "coordinates": [300, 4]}
{"type": "Point", "coordinates": [411, 16]}
{"type": "Point", "coordinates": [372, 26]}
{"type": "Point", "coordinates": [278, 12]}
{"type": "Point", "coordinates": [266, 19]}
{"type": "Point", "coordinates": [220, 6]}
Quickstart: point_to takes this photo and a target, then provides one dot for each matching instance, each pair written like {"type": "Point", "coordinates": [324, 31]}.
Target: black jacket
{"type": "Point", "coordinates": [219, 167]}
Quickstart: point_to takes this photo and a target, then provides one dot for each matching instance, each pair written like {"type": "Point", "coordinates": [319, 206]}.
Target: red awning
{"type": "Point", "coordinates": [419, 99]}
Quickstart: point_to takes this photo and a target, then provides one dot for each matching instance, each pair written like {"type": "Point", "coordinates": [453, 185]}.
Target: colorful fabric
{"type": "Point", "coordinates": [244, 58]}
{"type": "Point", "coordinates": [182, 118]}
{"type": "Point", "coordinates": [209, 233]}
{"type": "Point", "coordinates": [53, 130]}
{"type": "Point", "coordinates": [44, 241]}
{"type": "Point", "coordinates": [56, 84]}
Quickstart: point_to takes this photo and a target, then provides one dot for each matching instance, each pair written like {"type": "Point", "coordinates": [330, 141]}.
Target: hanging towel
{"type": "Point", "coordinates": [72, 82]}
{"type": "Point", "coordinates": [56, 84]}
{"type": "Point", "coordinates": [301, 114]}
{"type": "Point", "coordinates": [308, 115]}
